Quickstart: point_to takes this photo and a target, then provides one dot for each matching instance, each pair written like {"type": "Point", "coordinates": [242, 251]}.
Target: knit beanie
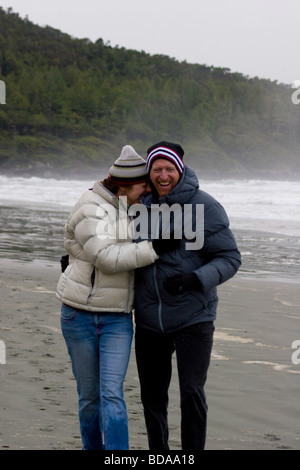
{"type": "Point", "coordinates": [167, 150]}
{"type": "Point", "coordinates": [129, 168]}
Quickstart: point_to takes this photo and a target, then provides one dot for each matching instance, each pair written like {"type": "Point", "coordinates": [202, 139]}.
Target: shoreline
{"type": "Point", "coordinates": [252, 387]}
{"type": "Point", "coordinates": [48, 172]}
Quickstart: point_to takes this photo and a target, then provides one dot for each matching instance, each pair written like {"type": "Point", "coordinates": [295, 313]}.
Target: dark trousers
{"type": "Point", "coordinates": [154, 351]}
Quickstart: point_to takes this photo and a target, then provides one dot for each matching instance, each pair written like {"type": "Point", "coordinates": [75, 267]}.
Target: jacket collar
{"type": "Point", "coordinates": [99, 189]}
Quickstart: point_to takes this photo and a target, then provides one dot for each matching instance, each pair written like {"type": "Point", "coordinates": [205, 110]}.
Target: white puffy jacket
{"type": "Point", "coordinates": [100, 275]}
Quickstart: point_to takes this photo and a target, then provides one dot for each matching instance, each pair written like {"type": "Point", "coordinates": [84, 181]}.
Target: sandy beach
{"type": "Point", "coordinates": [252, 387]}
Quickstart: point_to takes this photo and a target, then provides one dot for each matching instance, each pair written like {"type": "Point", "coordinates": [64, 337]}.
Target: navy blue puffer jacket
{"type": "Point", "coordinates": [216, 262]}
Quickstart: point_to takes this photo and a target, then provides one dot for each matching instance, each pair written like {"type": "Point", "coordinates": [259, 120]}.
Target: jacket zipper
{"type": "Point", "coordinates": [130, 287]}
{"type": "Point", "coordinates": [159, 310]}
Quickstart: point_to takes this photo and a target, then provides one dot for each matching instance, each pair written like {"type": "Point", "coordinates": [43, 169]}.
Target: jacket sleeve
{"type": "Point", "coordinates": [220, 249]}
{"type": "Point", "coordinates": [91, 234]}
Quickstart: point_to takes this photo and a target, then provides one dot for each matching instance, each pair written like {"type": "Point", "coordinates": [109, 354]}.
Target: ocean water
{"type": "Point", "coordinates": [264, 217]}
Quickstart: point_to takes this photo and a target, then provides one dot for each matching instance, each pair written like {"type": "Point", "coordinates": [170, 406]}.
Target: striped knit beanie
{"type": "Point", "coordinates": [129, 168]}
{"type": "Point", "coordinates": [167, 150]}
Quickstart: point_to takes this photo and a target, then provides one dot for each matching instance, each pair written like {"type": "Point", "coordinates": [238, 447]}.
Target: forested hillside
{"type": "Point", "coordinates": [71, 105]}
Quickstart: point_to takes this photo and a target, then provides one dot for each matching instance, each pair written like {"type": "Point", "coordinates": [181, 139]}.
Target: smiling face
{"type": "Point", "coordinates": [164, 176]}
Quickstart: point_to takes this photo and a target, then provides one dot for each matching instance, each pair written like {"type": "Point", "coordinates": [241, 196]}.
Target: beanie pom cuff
{"type": "Point", "coordinates": [128, 181]}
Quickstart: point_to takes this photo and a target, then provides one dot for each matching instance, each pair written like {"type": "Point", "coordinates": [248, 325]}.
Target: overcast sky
{"type": "Point", "coordinates": [258, 38]}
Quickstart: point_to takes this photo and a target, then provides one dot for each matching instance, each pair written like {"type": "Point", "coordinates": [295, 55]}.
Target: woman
{"type": "Point", "coordinates": [97, 294]}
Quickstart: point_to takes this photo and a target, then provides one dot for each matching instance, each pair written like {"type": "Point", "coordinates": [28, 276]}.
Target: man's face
{"type": "Point", "coordinates": [164, 176]}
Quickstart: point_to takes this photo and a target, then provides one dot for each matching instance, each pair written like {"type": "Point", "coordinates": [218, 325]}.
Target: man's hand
{"type": "Point", "coordinates": [165, 246]}
{"type": "Point", "coordinates": [181, 283]}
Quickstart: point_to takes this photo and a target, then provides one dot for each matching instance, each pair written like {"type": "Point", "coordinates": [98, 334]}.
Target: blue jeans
{"type": "Point", "coordinates": [99, 346]}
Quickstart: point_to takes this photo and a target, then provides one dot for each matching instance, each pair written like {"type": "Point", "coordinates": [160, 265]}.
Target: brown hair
{"type": "Point", "coordinates": [112, 186]}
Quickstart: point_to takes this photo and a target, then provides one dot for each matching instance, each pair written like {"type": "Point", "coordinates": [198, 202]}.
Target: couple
{"type": "Point", "coordinates": [171, 288]}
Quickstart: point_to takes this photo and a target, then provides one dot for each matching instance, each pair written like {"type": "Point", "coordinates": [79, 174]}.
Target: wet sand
{"type": "Point", "coordinates": [252, 387]}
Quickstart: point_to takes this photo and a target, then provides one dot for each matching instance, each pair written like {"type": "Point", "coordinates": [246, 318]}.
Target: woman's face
{"type": "Point", "coordinates": [135, 192]}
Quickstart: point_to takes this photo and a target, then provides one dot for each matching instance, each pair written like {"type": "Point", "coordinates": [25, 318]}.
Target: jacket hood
{"type": "Point", "coordinates": [182, 193]}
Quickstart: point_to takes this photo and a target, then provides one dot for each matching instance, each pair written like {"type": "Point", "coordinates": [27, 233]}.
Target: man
{"type": "Point", "coordinates": [176, 301]}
